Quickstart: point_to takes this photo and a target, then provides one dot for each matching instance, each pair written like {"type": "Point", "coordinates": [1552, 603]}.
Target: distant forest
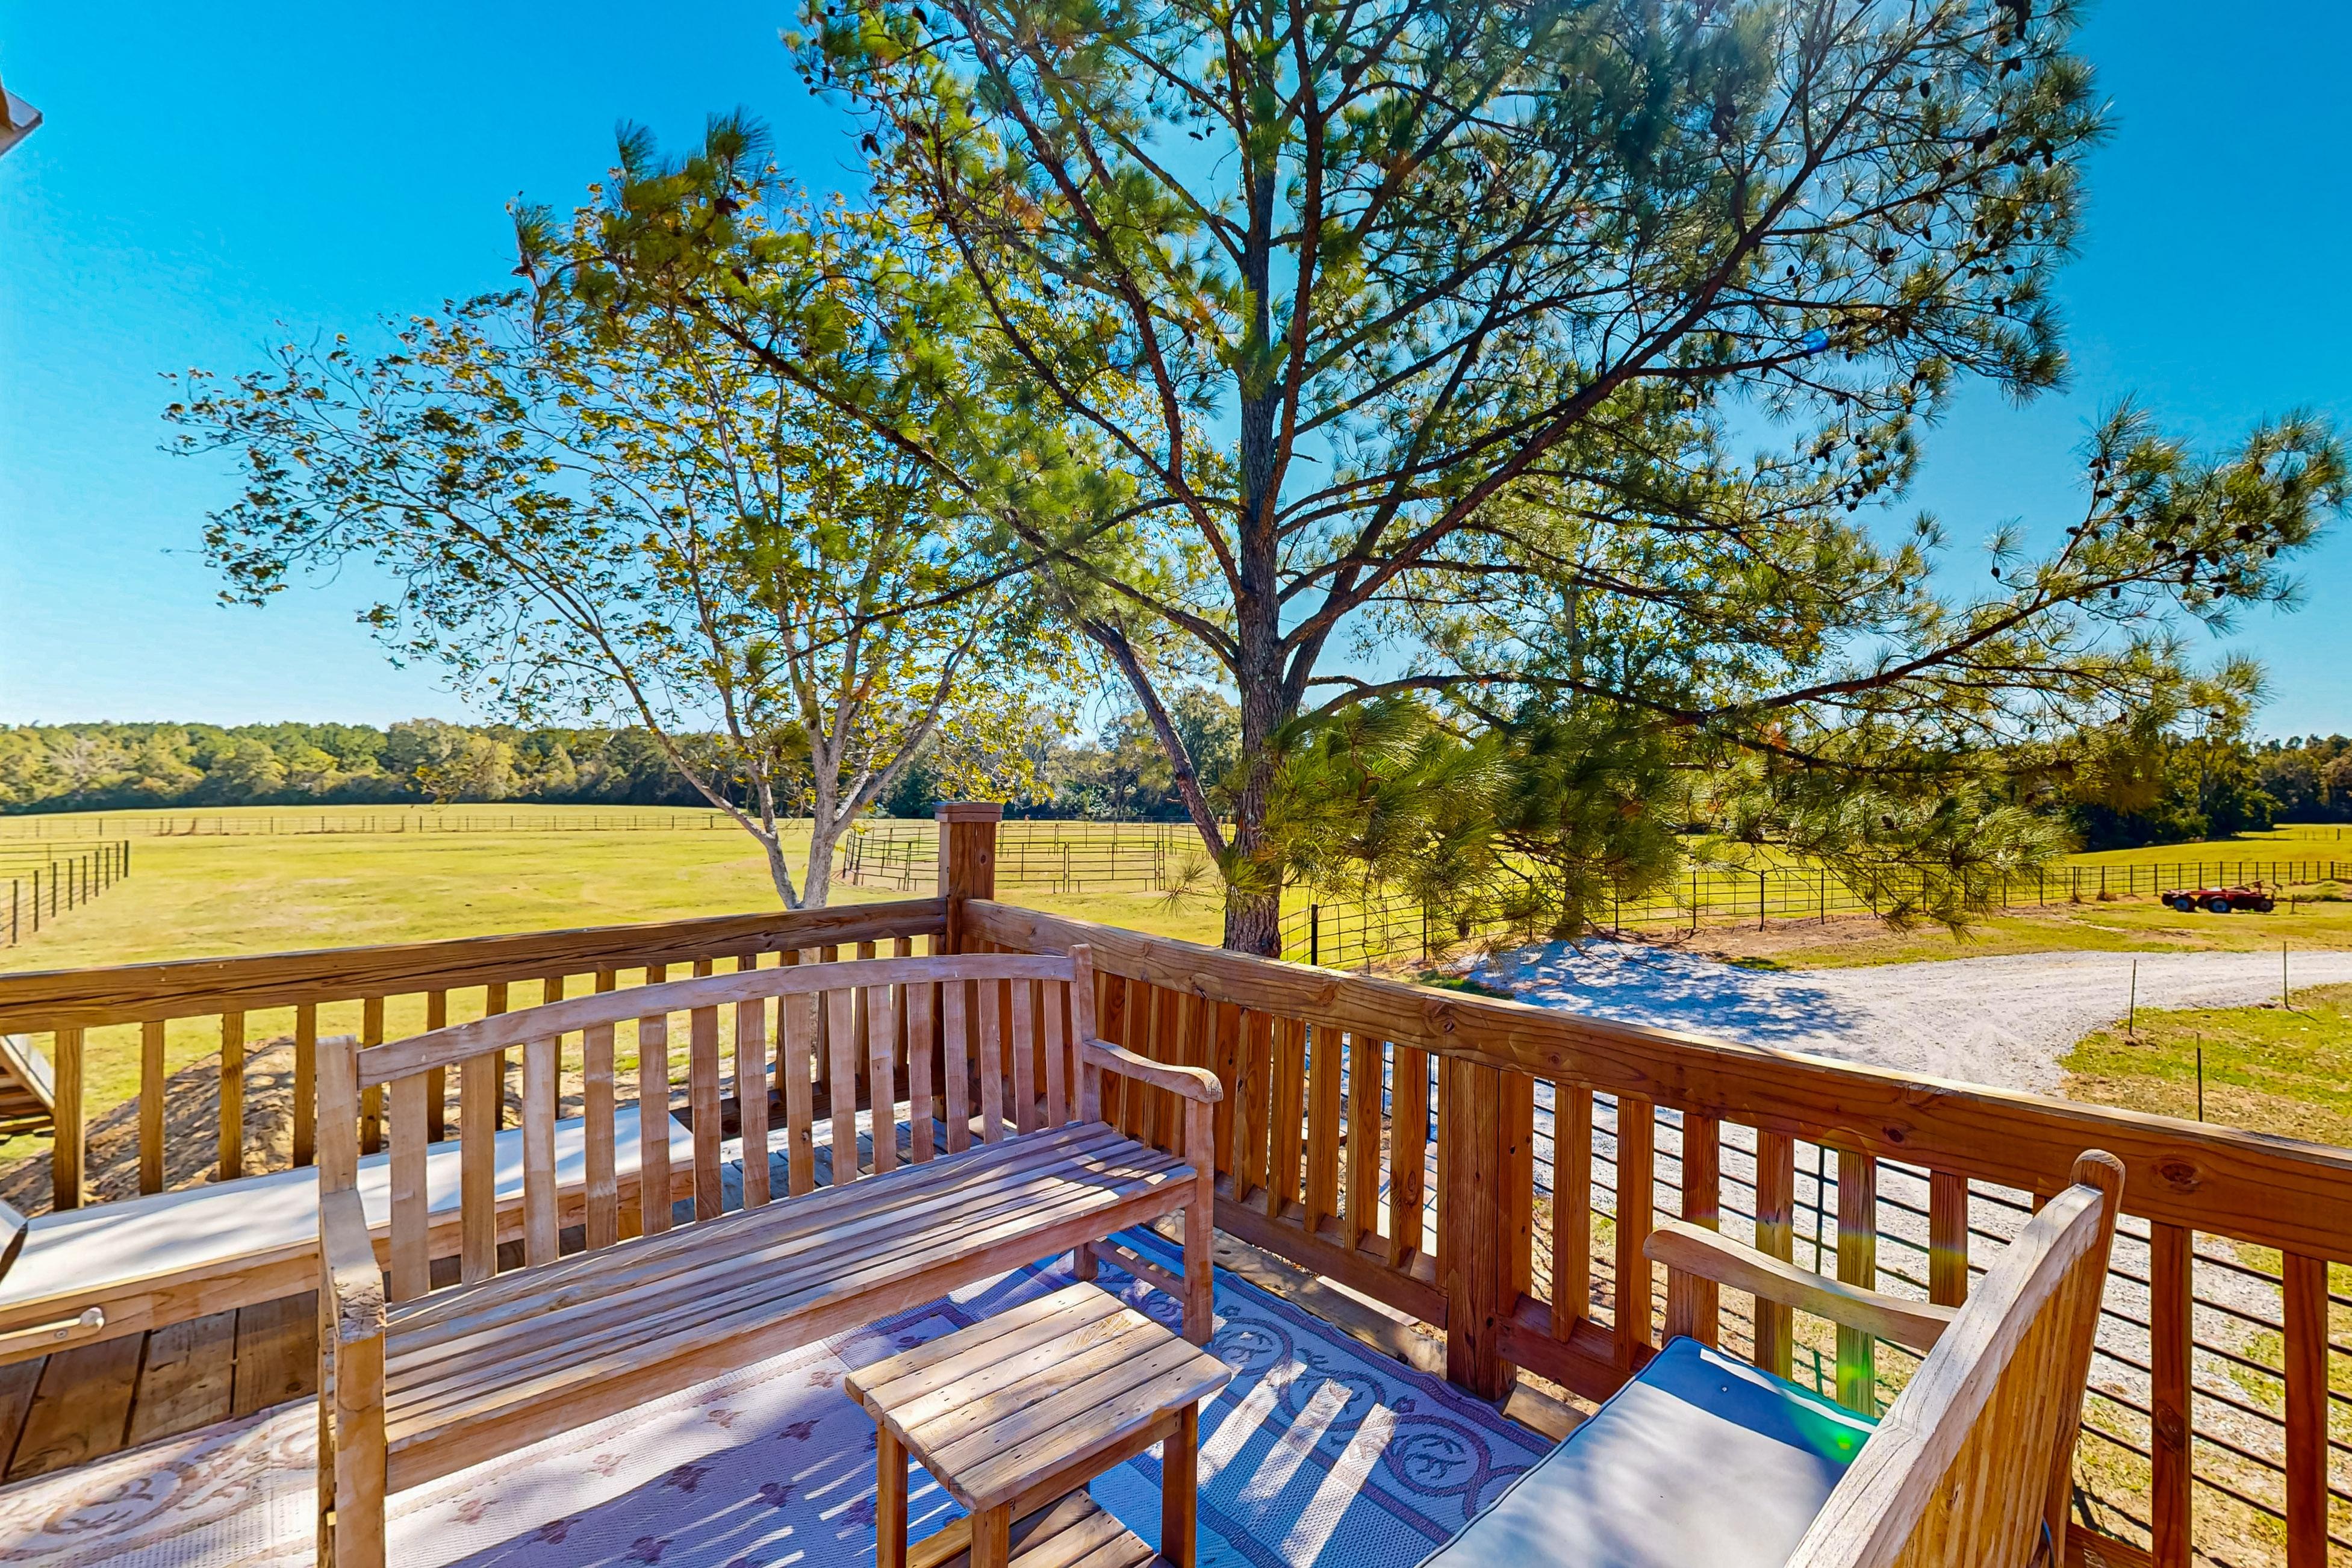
{"type": "Point", "coordinates": [117, 767]}
{"type": "Point", "coordinates": [2199, 788]}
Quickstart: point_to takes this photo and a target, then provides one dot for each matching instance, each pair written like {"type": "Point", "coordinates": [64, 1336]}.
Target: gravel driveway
{"type": "Point", "coordinates": [1983, 1020]}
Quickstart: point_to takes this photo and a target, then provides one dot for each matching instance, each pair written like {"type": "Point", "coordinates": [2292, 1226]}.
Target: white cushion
{"type": "Point", "coordinates": [202, 1229]}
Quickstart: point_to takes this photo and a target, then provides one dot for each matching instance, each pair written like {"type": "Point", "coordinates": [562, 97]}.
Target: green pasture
{"type": "Point", "coordinates": [214, 894]}
{"type": "Point", "coordinates": [2270, 1068]}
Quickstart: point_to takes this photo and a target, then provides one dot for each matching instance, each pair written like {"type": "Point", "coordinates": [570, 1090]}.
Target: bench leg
{"type": "Point", "coordinates": [358, 1527]}
{"type": "Point", "coordinates": [1179, 1489]}
{"type": "Point", "coordinates": [889, 1500]}
{"type": "Point", "coordinates": [991, 1537]}
{"type": "Point", "coordinates": [1201, 1225]}
{"type": "Point", "coordinates": [1082, 1262]}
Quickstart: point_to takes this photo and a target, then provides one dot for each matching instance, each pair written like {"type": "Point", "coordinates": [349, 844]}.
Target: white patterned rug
{"type": "Point", "coordinates": [1321, 1450]}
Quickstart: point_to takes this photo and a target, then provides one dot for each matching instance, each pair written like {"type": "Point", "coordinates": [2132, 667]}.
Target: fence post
{"type": "Point", "coordinates": [967, 860]}
{"type": "Point", "coordinates": [1315, 933]}
{"type": "Point", "coordinates": [1473, 1162]}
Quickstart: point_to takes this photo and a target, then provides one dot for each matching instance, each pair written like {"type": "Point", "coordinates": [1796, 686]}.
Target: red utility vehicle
{"type": "Point", "coordinates": [2220, 900]}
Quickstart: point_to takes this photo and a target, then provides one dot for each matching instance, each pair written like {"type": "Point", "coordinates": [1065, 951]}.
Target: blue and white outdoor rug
{"type": "Point", "coordinates": [1321, 1451]}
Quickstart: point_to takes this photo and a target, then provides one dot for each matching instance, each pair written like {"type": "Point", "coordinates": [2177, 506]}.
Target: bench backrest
{"type": "Point", "coordinates": [1974, 1459]}
{"type": "Point", "coordinates": [982, 1041]}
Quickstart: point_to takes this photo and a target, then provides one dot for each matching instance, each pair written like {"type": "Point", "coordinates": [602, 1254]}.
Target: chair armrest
{"type": "Point", "coordinates": [1192, 1083]}
{"type": "Point", "coordinates": [351, 1277]}
{"type": "Point", "coordinates": [1686, 1248]}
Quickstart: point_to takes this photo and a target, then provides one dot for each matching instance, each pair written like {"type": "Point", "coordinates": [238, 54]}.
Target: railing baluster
{"type": "Point", "coordinates": [990, 1053]}
{"type": "Point", "coordinates": [1857, 1264]}
{"type": "Point", "coordinates": [702, 1097]}
{"type": "Point", "coordinates": [1226, 1058]}
{"type": "Point", "coordinates": [653, 1117]}
{"type": "Point", "coordinates": [1359, 1219]}
{"type": "Point", "coordinates": [796, 1022]}
{"type": "Point", "coordinates": [1322, 1127]}
{"type": "Point", "coordinates": [1637, 1144]}
{"type": "Point", "coordinates": [1517, 1167]}
{"type": "Point", "coordinates": [494, 1002]}
{"type": "Point", "coordinates": [480, 1085]}
{"type": "Point", "coordinates": [1055, 1000]}
{"type": "Point", "coordinates": [1408, 1154]}
{"type": "Point", "coordinates": [540, 1065]}
{"type": "Point", "coordinates": [2305, 1286]}
{"type": "Point", "coordinates": [752, 1097]}
{"type": "Point", "coordinates": [1948, 1238]}
{"type": "Point", "coordinates": [232, 1097]}
{"type": "Point", "coordinates": [2170, 1340]}
{"type": "Point", "coordinates": [412, 1267]}
{"type": "Point", "coordinates": [881, 1074]}
{"type": "Point", "coordinates": [1703, 1205]}
{"type": "Point", "coordinates": [1776, 1236]}
{"type": "Point", "coordinates": [69, 1136]}
{"type": "Point", "coordinates": [1289, 1093]}
{"type": "Point", "coordinates": [1571, 1207]}
{"type": "Point", "coordinates": [955, 1035]}
{"type": "Point", "coordinates": [150, 1108]}
{"type": "Point", "coordinates": [1023, 1049]}
{"type": "Point", "coordinates": [436, 1081]}
{"type": "Point", "coordinates": [841, 1080]}
{"type": "Point", "coordinates": [602, 1223]}
{"type": "Point", "coordinates": [372, 1102]}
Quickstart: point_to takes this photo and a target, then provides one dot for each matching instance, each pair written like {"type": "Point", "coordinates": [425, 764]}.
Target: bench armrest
{"type": "Point", "coordinates": [1686, 1248]}
{"type": "Point", "coordinates": [1192, 1083]}
{"type": "Point", "coordinates": [352, 1278]}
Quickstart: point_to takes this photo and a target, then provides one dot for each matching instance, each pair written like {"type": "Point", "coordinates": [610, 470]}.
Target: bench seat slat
{"type": "Point", "coordinates": [649, 1316]}
{"type": "Point", "coordinates": [512, 1336]}
{"type": "Point", "coordinates": [745, 1262]}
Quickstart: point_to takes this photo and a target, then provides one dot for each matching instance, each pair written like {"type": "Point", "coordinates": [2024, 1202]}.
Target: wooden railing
{"type": "Point", "coordinates": [1492, 1169]}
{"type": "Point", "coordinates": [1463, 1160]}
{"type": "Point", "coordinates": [97, 1022]}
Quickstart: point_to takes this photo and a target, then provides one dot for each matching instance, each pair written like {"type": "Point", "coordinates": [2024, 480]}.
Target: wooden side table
{"type": "Point", "coordinates": [1014, 1415]}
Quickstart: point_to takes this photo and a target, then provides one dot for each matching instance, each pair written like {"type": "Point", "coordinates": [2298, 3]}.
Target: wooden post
{"type": "Point", "coordinates": [65, 1148]}
{"type": "Point", "coordinates": [1857, 1264]}
{"type": "Point", "coordinates": [1703, 1205]}
{"type": "Point", "coordinates": [150, 1107]}
{"type": "Point", "coordinates": [1473, 1212]}
{"type": "Point", "coordinates": [2170, 1307]}
{"type": "Point", "coordinates": [2305, 1290]}
{"type": "Point", "coordinates": [1637, 1142]}
{"type": "Point", "coordinates": [1776, 1236]}
{"type": "Point", "coordinates": [967, 860]}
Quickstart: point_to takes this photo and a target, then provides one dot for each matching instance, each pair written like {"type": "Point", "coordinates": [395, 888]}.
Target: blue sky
{"type": "Point", "coordinates": [206, 172]}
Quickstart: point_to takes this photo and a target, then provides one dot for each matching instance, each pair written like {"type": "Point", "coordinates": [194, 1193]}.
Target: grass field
{"type": "Point", "coordinates": [212, 894]}
{"type": "Point", "coordinates": [2271, 1070]}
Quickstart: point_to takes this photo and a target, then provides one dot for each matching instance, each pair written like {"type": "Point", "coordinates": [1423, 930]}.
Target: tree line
{"type": "Point", "coordinates": [1501, 408]}
{"type": "Point", "coordinates": [118, 766]}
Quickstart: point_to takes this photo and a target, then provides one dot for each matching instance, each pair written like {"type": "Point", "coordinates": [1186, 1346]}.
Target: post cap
{"type": "Point", "coordinates": [972, 811]}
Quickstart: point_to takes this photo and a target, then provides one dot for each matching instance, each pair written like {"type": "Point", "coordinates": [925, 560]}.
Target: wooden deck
{"type": "Point", "coordinates": [85, 1403]}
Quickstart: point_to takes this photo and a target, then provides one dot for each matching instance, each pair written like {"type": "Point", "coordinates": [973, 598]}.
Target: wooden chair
{"type": "Point", "coordinates": [998, 1049]}
{"type": "Point", "coordinates": [1701, 1458]}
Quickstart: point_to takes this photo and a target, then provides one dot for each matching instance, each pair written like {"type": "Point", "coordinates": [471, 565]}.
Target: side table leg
{"type": "Point", "coordinates": [889, 1499]}
{"type": "Point", "coordinates": [991, 1537]}
{"type": "Point", "coordinates": [1180, 1489]}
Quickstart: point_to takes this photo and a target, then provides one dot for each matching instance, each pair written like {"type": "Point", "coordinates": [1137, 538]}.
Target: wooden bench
{"type": "Point", "coordinates": [416, 1382]}
{"type": "Point", "coordinates": [1703, 1458]}
{"type": "Point", "coordinates": [118, 1269]}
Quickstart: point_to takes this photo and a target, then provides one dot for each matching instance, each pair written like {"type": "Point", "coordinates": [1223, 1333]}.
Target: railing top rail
{"type": "Point", "coordinates": [2276, 1192]}
{"type": "Point", "coordinates": [87, 998]}
{"type": "Point", "coordinates": [443, 1047]}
